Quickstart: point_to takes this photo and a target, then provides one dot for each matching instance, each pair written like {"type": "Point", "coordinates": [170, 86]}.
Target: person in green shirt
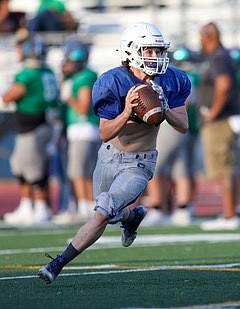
{"type": "Point", "coordinates": [56, 5]}
{"type": "Point", "coordinates": [35, 92]}
{"type": "Point", "coordinates": [52, 15]}
{"type": "Point", "coordinates": [81, 123]}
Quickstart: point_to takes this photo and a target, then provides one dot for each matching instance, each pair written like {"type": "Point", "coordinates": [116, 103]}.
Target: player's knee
{"type": "Point", "coordinates": [105, 204]}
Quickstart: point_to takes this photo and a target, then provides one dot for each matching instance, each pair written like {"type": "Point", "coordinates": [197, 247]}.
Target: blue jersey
{"type": "Point", "coordinates": [111, 88]}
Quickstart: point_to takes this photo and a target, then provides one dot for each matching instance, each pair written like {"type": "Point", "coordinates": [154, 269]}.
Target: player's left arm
{"type": "Point", "coordinates": [175, 112]}
{"type": "Point", "coordinates": [176, 115]}
{"type": "Point", "coordinates": [177, 118]}
{"type": "Point", "coordinates": [82, 103]}
{"type": "Point", "coordinates": [222, 86]}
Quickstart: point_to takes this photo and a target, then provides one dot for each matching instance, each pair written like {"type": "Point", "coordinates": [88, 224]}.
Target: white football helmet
{"type": "Point", "coordinates": [141, 35]}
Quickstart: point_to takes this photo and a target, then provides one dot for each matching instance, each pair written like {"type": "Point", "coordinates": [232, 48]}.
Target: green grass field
{"type": "Point", "coordinates": [166, 267]}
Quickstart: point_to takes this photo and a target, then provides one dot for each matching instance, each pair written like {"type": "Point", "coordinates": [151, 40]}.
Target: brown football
{"type": "Point", "coordinates": [150, 107]}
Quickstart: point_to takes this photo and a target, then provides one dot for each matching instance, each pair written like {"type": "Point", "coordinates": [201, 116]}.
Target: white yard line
{"type": "Point", "coordinates": [108, 272]}
{"type": "Point", "coordinates": [132, 270]}
{"type": "Point", "coordinates": [142, 240]}
{"type": "Point", "coordinates": [227, 305]}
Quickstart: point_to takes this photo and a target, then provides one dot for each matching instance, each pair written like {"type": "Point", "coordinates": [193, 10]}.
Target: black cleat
{"type": "Point", "coordinates": [129, 232]}
{"type": "Point", "coordinates": [52, 269]}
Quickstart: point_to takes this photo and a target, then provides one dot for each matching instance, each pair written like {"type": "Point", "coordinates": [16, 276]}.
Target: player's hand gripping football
{"type": "Point", "coordinates": [160, 92]}
{"type": "Point", "coordinates": [129, 101]}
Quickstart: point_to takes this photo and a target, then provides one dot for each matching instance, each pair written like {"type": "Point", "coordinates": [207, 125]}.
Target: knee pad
{"type": "Point", "coordinates": [21, 179]}
{"type": "Point", "coordinates": [40, 184]}
{"type": "Point", "coordinates": [105, 204]}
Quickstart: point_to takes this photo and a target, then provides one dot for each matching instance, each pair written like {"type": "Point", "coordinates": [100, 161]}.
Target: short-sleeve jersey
{"type": "Point", "coordinates": [85, 78]}
{"type": "Point", "coordinates": [55, 5]}
{"type": "Point", "coordinates": [41, 90]}
{"type": "Point", "coordinates": [41, 93]}
{"type": "Point", "coordinates": [216, 64]}
{"type": "Point", "coordinates": [110, 90]}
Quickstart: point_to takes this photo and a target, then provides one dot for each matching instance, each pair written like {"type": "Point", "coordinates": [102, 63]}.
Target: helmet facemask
{"type": "Point", "coordinates": [150, 65]}
{"type": "Point", "coordinates": [133, 42]}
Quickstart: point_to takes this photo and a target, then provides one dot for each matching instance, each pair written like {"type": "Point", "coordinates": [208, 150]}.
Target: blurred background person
{"type": "Point", "coordinates": [10, 21]}
{"type": "Point", "coordinates": [185, 59]}
{"type": "Point", "coordinates": [57, 151]}
{"type": "Point", "coordinates": [35, 92]}
{"type": "Point", "coordinates": [170, 181]}
{"type": "Point", "coordinates": [52, 15]}
{"type": "Point", "coordinates": [81, 125]}
{"type": "Point", "coordinates": [172, 189]}
{"type": "Point", "coordinates": [21, 36]}
{"type": "Point", "coordinates": [217, 102]}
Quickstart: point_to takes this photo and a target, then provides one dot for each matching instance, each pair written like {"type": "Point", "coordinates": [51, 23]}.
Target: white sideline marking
{"type": "Point", "coordinates": [143, 269]}
{"type": "Point", "coordinates": [31, 232]}
{"type": "Point", "coordinates": [30, 250]}
{"type": "Point", "coordinates": [159, 239]}
{"type": "Point", "coordinates": [142, 240]}
{"type": "Point", "coordinates": [210, 306]}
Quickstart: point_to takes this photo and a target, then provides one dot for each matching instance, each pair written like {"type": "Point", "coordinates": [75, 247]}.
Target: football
{"type": "Point", "coordinates": [150, 107]}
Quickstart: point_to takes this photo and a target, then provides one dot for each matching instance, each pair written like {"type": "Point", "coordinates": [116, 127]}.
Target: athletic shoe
{"type": "Point", "coordinates": [221, 224]}
{"type": "Point", "coordinates": [41, 214]}
{"type": "Point", "coordinates": [64, 218]}
{"type": "Point", "coordinates": [84, 210]}
{"type": "Point", "coordinates": [154, 217]}
{"type": "Point", "coordinates": [181, 217]}
{"type": "Point", "coordinates": [22, 215]}
{"type": "Point", "coordinates": [129, 232]}
{"type": "Point", "coordinates": [52, 269]}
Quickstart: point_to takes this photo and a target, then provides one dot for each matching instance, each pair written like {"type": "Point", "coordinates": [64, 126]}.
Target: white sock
{"type": "Point", "coordinates": [41, 211]}
{"type": "Point", "coordinates": [26, 202]}
{"type": "Point", "coordinates": [83, 208]}
{"type": "Point", "coordinates": [40, 205]}
{"type": "Point", "coordinates": [91, 207]}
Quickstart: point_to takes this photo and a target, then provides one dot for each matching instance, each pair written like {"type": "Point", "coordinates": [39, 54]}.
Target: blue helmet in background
{"type": "Point", "coordinates": [34, 48]}
{"type": "Point", "coordinates": [76, 51]}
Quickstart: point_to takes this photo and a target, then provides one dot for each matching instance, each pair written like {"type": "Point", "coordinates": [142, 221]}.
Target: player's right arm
{"type": "Point", "coordinates": [110, 128]}
{"type": "Point", "coordinates": [14, 93]}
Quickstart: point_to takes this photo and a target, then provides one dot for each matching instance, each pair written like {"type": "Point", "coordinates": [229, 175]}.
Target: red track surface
{"type": "Point", "coordinates": [9, 196]}
{"type": "Point", "coordinates": [207, 200]}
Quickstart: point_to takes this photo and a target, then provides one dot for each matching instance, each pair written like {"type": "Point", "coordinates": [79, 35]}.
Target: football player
{"type": "Point", "coordinates": [82, 124]}
{"type": "Point", "coordinates": [127, 157]}
{"type": "Point", "coordinates": [35, 92]}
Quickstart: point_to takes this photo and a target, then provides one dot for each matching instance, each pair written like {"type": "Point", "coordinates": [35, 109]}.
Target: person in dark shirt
{"type": "Point", "coordinates": [217, 103]}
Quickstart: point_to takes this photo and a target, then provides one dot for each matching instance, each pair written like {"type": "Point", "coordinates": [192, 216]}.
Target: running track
{"type": "Point", "coordinates": [207, 200]}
